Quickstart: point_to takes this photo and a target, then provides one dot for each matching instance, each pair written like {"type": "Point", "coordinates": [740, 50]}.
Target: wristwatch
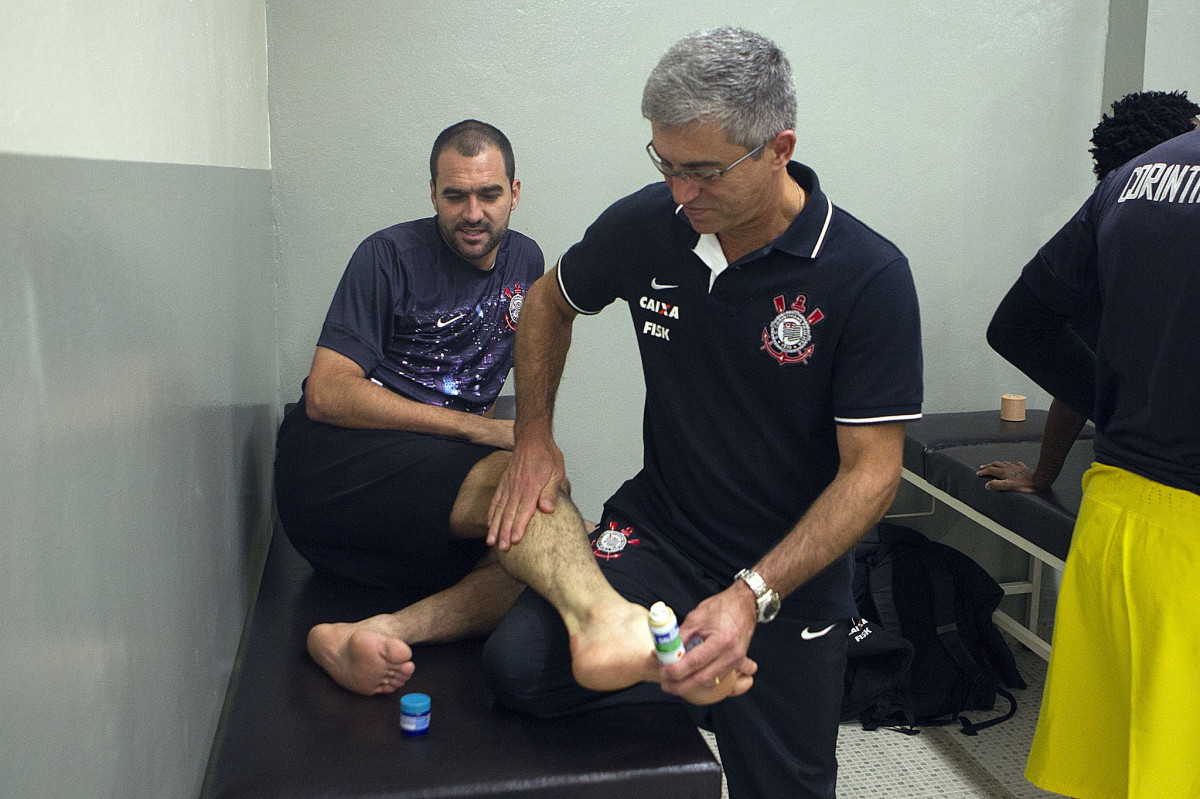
{"type": "Point", "coordinates": [766, 598]}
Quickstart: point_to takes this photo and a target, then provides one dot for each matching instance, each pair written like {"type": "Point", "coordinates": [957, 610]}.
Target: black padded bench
{"type": "Point", "coordinates": [290, 731]}
{"type": "Point", "coordinates": [942, 453]}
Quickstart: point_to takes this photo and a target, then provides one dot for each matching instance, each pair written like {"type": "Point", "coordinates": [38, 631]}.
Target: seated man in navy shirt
{"type": "Point", "coordinates": [385, 468]}
{"type": "Point", "coordinates": [780, 344]}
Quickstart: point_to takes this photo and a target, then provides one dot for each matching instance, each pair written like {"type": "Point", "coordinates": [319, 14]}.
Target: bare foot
{"type": "Point", "coordinates": [613, 648]}
{"type": "Point", "coordinates": [366, 657]}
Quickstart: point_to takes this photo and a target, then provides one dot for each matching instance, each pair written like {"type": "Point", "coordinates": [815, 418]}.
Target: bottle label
{"type": "Point", "coordinates": [414, 724]}
{"type": "Point", "coordinates": [668, 644]}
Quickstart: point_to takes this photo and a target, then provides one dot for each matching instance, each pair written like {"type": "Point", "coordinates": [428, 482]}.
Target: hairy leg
{"type": "Point", "coordinates": [611, 644]}
{"type": "Point", "coordinates": [373, 656]}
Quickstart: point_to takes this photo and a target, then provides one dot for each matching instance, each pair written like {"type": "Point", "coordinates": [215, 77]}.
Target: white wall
{"type": "Point", "coordinates": [135, 80]}
{"type": "Point", "coordinates": [1172, 57]}
{"type": "Point", "coordinates": [957, 129]}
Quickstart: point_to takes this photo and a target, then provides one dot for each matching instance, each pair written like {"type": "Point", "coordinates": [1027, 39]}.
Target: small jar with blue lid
{"type": "Point", "coordinates": [414, 714]}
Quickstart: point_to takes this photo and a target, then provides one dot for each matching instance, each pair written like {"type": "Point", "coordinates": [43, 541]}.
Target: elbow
{"type": "Point", "coordinates": [889, 487]}
{"type": "Point", "coordinates": [317, 404]}
{"type": "Point", "coordinates": [878, 494]}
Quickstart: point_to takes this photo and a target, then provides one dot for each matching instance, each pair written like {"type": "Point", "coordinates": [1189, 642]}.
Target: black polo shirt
{"type": "Point", "coordinates": [750, 367]}
{"type": "Point", "coordinates": [1135, 244]}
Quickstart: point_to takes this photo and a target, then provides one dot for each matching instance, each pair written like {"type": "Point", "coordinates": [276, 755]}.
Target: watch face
{"type": "Point", "coordinates": [769, 608]}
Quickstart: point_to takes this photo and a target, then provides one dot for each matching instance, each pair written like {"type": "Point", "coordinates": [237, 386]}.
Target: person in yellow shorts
{"type": "Point", "coordinates": [1121, 709]}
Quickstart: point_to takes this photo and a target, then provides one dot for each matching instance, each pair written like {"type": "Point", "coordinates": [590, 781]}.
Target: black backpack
{"type": "Point", "coordinates": [926, 648]}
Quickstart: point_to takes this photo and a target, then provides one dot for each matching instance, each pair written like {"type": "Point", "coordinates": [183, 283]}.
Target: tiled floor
{"type": "Point", "coordinates": [941, 761]}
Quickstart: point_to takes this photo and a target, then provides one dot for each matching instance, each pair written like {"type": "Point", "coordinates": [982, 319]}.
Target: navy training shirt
{"type": "Point", "coordinates": [426, 324]}
{"type": "Point", "coordinates": [1135, 243]}
{"type": "Point", "coordinates": [749, 368]}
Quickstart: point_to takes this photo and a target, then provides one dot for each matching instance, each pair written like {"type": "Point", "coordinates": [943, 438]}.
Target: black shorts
{"type": "Point", "coordinates": [373, 506]}
{"type": "Point", "coordinates": [779, 739]}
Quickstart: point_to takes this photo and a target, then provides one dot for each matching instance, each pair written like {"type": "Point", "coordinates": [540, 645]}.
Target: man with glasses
{"type": "Point", "coordinates": [780, 343]}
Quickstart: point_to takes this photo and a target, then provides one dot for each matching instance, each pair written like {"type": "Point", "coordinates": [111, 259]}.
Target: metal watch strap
{"type": "Point", "coordinates": [765, 599]}
{"type": "Point", "coordinates": [755, 581]}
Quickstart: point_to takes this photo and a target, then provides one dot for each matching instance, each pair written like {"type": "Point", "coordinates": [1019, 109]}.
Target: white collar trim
{"type": "Point", "coordinates": [708, 249]}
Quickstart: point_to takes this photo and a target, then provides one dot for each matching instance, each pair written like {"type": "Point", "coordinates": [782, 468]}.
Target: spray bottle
{"type": "Point", "coordinates": [667, 644]}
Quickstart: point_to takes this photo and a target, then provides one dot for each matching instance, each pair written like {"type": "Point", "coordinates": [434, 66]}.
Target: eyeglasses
{"type": "Point", "coordinates": [695, 175]}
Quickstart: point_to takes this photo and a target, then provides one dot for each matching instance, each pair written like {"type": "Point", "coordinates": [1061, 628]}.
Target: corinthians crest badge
{"type": "Point", "coordinates": [515, 297]}
{"type": "Point", "coordinates": [609, 543]}
{"type": "Point", "coordinates": [788, 338]}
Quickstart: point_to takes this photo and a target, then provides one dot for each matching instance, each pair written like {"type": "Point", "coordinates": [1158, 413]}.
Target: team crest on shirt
{"type": "Point", "coordinates": [788, 338]}
{"type": "Point", "coordinates": [516, 298]}
{"type": "Point", "coordinates": [609, 543]}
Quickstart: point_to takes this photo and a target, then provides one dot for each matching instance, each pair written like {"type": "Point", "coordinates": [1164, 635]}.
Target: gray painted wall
{"type": "Point", "coordinates": [138, 395]}
{"type": "Point", "coordinates": [1124, 50]}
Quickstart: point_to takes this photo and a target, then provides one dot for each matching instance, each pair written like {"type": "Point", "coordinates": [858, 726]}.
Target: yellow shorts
{"type": "Point", "coordinates": [1121, 711]}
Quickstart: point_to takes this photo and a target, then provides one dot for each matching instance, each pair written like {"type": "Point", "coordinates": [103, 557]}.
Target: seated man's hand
{"type": "Point", "coordinates": [717, 667]}
{"type": "Point", "coordinates": [531, 483]}
{"type": "Point", "coordinates": [1010, 477]}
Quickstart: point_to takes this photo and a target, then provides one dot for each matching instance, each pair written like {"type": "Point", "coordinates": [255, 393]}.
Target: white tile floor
{"type": "Point", "coordinates": [941, 761]}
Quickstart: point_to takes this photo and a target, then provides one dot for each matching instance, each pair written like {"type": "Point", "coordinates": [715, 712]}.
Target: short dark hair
{"type": "Point", "coordinates": [469, 138]}
{"type": "Point", "coordinates": [1138, 122]}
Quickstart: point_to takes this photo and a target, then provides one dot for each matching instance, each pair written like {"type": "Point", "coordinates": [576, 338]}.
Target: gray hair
{"type": "Point", "coordinates": [729, 76]}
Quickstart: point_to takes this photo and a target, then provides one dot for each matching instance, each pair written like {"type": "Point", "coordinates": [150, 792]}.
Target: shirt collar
{"type": "Point", "coordinates": [804, 237]}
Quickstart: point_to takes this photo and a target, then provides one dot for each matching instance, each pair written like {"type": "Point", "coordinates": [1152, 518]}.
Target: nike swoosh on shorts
{"type": "Point", "coordinates": [808, 634]}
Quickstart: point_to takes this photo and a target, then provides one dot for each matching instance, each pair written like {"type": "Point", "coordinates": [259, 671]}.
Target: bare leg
{"type": "Point", "coordinates": [611, 644]}
{"type": "Point", "coordinates": [373, 656]}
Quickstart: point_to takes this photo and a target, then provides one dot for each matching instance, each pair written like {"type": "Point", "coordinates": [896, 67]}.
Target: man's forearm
{"type": "Point", "coordinates": [1062, 428]}
{"type": "Point", "coordinates": [857, 498]}
{"type": "Point", "coordinates": [832, 525]}
{"type": "Point", "coordinates": [537, 473]}
{"type": "Point", "coordinates": [337, 393]}
{"type": "Point", "coordinates": [539, 356]}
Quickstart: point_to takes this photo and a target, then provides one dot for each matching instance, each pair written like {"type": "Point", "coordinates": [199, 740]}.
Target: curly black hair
{"type": "Point", "coordinates": [1138, 122]}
